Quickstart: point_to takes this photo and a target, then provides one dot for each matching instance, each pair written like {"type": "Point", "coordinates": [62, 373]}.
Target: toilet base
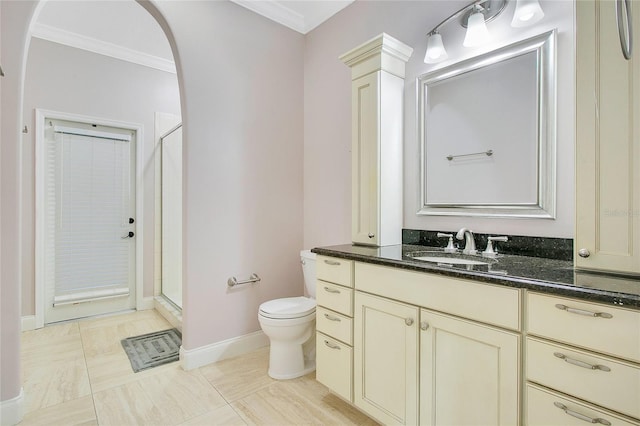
{"type": "Point", "coordinates": [309, 367]}
{"type": "Point", "coordinates": [288, 361]}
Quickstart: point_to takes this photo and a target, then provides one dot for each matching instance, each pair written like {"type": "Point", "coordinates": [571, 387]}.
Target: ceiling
{"type": "Point", "coordinates": [299, 15]}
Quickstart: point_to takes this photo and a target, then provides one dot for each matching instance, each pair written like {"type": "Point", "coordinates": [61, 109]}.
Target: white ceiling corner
{"type": "Point", "coordinates": [299, 15]}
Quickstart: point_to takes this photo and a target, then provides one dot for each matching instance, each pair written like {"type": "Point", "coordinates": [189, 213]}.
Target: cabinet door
{"type": "Point", "coordinates": [607, 140]}
{"type": "Point", "coordinates": [386, 359]}
{"type": "Point", "coordinates": [365, 92]}
{"type": "Point", "coordinates": [469, 372]}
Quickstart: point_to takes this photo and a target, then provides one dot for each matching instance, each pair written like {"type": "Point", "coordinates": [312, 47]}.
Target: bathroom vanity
{"type": "Point", "coordinates": [517, 340]}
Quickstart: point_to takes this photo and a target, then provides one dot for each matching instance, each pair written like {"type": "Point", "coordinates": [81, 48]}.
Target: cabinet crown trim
{"type": "Point", "coordinates": [381, 44]}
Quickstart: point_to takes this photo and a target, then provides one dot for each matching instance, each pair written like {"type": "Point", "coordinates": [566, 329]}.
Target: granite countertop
{"type": "Point", "coordinates": [551, 276]}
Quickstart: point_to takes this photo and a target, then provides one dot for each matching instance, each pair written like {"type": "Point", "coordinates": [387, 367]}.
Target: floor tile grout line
{"type": "Point", "coordinates": [86, 365]}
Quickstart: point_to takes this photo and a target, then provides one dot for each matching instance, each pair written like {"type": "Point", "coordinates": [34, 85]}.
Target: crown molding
{"type": "Point", "coordinates": [276, 12]}
{"type": "Point", "coordinates": [79, 41]}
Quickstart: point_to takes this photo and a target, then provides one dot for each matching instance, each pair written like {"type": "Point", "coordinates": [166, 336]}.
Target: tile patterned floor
{"type": "Point", "coordinates": [78, 374]}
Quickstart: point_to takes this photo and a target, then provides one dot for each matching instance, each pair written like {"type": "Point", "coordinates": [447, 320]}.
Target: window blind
{"type": "Point", "coordinates": [89, 196]}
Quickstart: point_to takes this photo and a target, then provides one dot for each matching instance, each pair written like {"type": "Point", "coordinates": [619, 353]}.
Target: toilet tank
{"type": "Point", "coordinates": [308, 261]}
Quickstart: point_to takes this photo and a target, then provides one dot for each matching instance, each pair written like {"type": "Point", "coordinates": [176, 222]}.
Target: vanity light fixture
{"type": "Point", "coordinates": [477, 32]}
{"type": "Point", "coordinates": [474, 18]}
{"type": "Point", "coordinates": [528, 12]}
{"type": "Point", "coordinates": [435, 49]}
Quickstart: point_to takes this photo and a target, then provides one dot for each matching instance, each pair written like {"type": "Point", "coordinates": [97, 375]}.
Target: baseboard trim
{"type": "Point", "coordinates": [12, 410]}
{"type": "Point", "coordinates": [198, 357]}
{"type": "Point", "coordinates": [28, 322]}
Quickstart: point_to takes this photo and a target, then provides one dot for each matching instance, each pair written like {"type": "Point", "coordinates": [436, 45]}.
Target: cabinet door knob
{"type": "Point", "coordinates": [583, 252]}
{"type": "Point", "coordinates": [371, 235]}
{"type": "Point", "coordinates": [408, 321]}
{"type": "Point", "coordinates": [424, 326]}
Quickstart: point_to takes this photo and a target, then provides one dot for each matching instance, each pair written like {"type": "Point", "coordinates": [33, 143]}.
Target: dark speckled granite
{"type": "Point", "coordinates": [534, 273]}
{"type": "Point", "coordinates": [551, 248]}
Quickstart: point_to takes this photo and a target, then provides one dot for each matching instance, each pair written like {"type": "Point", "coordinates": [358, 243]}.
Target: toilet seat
{"type": "Point", "coordinates": [288, 307]}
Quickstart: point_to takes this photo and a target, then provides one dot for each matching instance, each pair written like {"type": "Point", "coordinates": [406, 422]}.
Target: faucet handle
{"type": "Point", "coordinates": [450, 247]}
{"type": "Point", "coordinates": [489, 252]}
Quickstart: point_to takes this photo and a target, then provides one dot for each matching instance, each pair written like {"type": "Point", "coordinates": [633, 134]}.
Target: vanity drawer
{"type": "Point", "coordinates": [610, 383]}
{"type": "Point", "coordinates": [335, 325]}
{"type": "Point", "coordinates": [335, 297]}
{"type": "Point", "coordinates": [612, 331]}
{"type": "Point", "coordinates": [333, 270]}
{"type": "Point", "coordinates": [545, 407]}
{"type": "Point", "coordinates": [491, 304]}
{"type": "Point", "coordinates": [334, 365]}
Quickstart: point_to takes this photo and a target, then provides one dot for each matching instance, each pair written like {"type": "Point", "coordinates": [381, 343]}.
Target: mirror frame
{"type": "Point", "coordinates": [544, 46]}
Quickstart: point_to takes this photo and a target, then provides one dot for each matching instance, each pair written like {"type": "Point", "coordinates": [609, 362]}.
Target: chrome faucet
{"type": "Point", "coordinates": [469, 243]}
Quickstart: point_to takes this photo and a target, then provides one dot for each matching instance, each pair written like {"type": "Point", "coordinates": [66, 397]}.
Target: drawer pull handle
{"type": "Point", "coordinates": [408, 321]}
{"type": "Point", "coordinates": [331, 290]}
{"type": "Point", "coordinates": [581, 416]}
{"type": "Point", "coordinates": [581, 363]}
{"type": "Point", "coordinates": [331, 345]}
{"type": "Point", "coordinates": [583, 312]}
{"type": "Point", "coordinates": [332, 318]}
{"type": "Point", "coordinates": [424, 326]}
{"type": "Point", "coordinates": [331, 262]}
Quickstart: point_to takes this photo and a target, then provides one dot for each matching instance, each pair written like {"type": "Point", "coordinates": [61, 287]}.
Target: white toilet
{"type": "Point", "coordinates": [290, 324]}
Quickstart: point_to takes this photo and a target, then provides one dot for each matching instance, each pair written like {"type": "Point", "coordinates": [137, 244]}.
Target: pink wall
{"type": "Point", "coordinates": [242, 90]}
{"type": "Point", "coordinates": [327, 119]}
{"type": "Point", "coordinates": [15, 17]}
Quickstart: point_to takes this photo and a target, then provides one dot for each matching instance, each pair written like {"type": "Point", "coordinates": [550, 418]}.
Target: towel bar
{"type": "Point", "coordinates": [254, 278]}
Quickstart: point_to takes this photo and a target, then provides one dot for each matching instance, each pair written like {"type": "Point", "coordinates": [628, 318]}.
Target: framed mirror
{"type": "Point", "coordinates": [488, 133]}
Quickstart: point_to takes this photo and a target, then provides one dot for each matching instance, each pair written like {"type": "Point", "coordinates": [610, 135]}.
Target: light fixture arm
{"type": "Point", "coordinates": [460, 12]}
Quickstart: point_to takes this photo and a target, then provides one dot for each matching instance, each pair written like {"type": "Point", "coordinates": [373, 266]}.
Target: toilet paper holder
{"type": "Point", "coordinates": [233, 281]}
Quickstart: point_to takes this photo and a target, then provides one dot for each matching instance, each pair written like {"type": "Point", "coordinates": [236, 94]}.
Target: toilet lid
{"type": "Point", "coordinates": [289, 307]}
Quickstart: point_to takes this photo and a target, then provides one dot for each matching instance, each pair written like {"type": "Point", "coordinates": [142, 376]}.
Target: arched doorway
{"type": "Point", "coordinates": [93, 63]}
{"type": "Point", "coordinates": [17, 19]}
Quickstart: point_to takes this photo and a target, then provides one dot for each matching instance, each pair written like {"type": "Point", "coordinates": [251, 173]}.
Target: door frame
{"type": "Point", "coordinates": [40, 147]}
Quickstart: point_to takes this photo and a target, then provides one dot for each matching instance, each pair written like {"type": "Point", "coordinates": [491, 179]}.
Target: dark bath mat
{"type": "Point", "coordinates": [153, 349]}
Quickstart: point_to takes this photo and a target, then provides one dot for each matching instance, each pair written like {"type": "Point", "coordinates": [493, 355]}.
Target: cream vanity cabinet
{"type": "Point", "coordinates": [334, 325]}
{"type": "Point", "coordinates": [425, 352]}
{"type": "Point", "coordinates": [386, 359]}
{"type": "Point", "coordinates": [469, 372]}
{"type": "Point", "coordinates": [377, 71]}
{"type": "Point", "coordinates": [607, 137]}
{"type": "Point", "coordinates": [582, 362]}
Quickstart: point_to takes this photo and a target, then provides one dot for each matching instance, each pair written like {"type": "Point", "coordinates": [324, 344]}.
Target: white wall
{"type": "Point", "coordinates": [69, 80]}
{"type": "Point", "coordinates": [327, 208]}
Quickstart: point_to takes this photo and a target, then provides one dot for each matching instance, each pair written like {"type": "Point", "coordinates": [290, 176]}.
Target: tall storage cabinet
{"type": "Point", "coordinates": [607, 136]}
{"type": "Point", "coordinates": [377, 72]}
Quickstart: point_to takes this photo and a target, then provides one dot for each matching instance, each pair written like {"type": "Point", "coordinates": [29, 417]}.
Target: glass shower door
{"type": "Point", "coordinates": [172, 216]}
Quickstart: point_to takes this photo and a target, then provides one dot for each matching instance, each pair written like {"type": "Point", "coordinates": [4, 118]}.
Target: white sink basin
{"type": "Point", "coordinates": [450, 260]}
